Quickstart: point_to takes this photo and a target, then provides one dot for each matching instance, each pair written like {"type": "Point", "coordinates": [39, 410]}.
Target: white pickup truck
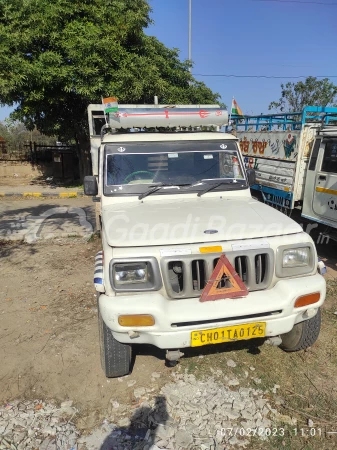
{"type": "Point", "coordinates": [172, 205]}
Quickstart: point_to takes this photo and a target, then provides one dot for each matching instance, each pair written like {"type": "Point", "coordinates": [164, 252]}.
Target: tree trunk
{"type": "Point", "coordinates": [84, 157]}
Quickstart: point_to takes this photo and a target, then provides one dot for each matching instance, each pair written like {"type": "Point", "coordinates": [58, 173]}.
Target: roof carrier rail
{"type": "Point", "coordinates": [320, 115]}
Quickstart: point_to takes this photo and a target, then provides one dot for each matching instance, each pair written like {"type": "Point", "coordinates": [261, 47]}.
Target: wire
{"type": "Point", "coordinates": [297, 1]}
{"type": "Point", "coordinates": [260, 76]}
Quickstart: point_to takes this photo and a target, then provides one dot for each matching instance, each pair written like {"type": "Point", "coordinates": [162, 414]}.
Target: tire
{"type": "Point", "coordinates": [303, 335]}
{"type": "Point", "coordinates": [115, 356]}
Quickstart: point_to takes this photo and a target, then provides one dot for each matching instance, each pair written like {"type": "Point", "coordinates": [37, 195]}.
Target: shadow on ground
{"type": "Point", "coordinates": [142, 428]}
{"type": "Point", "coordinates": [252, 346]}
{"type": "Point", "coordinates": [58, 218]}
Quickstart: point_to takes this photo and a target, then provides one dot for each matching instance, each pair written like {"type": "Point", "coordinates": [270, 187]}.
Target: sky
{"type": "Point", "coordinates": [282, 38]}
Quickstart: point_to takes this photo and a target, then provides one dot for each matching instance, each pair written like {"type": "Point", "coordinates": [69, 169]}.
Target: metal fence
{"type": "Point", "coordinates": [32, 152]}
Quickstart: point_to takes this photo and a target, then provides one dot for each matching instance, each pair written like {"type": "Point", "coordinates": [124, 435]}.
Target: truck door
{"type": "Point", "coordinates": [325, 186]}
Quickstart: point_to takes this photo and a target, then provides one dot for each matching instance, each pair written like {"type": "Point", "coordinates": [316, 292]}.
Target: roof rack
{"type": "Point", "coordinates": [156, 116]}
{"type": "Point", "coordinates": [322, 116]}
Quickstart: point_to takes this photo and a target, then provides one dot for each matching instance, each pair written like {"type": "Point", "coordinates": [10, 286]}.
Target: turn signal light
{"type": "Point", "coordinates": [136, 320]}
{"type": "Point", "coordinates": [308, 299]}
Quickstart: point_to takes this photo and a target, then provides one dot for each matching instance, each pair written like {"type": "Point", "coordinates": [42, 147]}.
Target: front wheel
{"type": "Point", "coordinates": [115, 356]}
{"type": "Point", "coordinates": [303, 335]}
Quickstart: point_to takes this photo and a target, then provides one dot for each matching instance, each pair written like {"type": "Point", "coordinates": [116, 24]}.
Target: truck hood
{"type": "Point", "coordinates": [192, 220]}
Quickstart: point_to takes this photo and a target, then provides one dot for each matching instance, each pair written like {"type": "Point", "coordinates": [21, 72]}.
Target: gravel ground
{"type": "Point", "coordinates": [27, 425]}
{"type": "Point", "coordinates": [186, 414]}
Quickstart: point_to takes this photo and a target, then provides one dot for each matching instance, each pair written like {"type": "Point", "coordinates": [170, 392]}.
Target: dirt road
{"type": "Point", "coordinates": [48, 322]}
{"type": "Point", "coordinates": [45, 218]}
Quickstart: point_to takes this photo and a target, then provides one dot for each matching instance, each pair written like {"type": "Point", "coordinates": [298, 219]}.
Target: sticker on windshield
{"type": "Point", "coordinates": [208, 156]}
{"type": "Point", "coordinates": [121, 149]}
{"type": "Point", "coordinates": [223, 146]}
{"type": "Point", "coordinates": [172, 155]}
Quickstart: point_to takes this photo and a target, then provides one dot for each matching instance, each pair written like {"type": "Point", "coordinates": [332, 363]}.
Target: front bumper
{"type": "Point", "coordinates": [257, 306]}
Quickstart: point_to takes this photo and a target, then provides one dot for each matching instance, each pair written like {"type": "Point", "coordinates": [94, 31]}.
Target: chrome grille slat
{"type": "Point", "coordinates": [198, 275]}
{"type": "Point", "coordinates": [239, 267]}
{"type": "Point", "coordinates": [254, 267]}
{"type": "Point", "coordinates": [258, 268]}
{"type": "Point", "coordinates": [187, 278]}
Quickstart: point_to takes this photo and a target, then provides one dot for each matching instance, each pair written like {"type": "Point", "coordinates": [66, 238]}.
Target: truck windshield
{"type": "Point", "coordinates": [185, 167]}
{"type": "Point", "coordinates": [134, 170]}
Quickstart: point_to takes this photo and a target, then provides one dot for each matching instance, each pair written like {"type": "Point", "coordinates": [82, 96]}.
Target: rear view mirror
{"type": "Point", "coordinates": [251, 176]}
{"type": "Point", "coordinates": [90, 185]}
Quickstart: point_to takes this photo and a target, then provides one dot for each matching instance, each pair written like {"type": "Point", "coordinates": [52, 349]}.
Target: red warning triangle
{"type": "Point", "coordinates": [231, 285]}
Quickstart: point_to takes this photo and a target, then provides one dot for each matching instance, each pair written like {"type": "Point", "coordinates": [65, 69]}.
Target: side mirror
{"type": "Point", "coordinates": [251, 176]}
{"type": "Point", "coordinates": [90, 185]}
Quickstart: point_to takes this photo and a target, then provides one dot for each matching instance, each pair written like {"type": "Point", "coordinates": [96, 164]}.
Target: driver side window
{"type": "Point", "coordinates": [329, 163]}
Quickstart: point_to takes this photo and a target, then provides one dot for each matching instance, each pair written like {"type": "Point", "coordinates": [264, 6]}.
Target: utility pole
{"type": "Point", "coordinates": [190, 31]}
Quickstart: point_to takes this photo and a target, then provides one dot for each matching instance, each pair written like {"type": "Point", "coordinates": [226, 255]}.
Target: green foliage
{"type": "Point", "coordinates": [58, 56]}
{"type": "Point", "coordinates": [16, 136]}
{"type": "Point", "coordinates": [311, 92]}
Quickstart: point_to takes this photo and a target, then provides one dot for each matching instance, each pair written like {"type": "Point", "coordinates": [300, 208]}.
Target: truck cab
{"type": "Point", "coordinates": [320, 199]}
{"type": "Point", "coordinates": [188, 257]}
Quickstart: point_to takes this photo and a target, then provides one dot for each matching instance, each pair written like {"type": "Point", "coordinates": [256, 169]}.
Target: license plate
{"type": "Point", "coordinates": [228, 334]}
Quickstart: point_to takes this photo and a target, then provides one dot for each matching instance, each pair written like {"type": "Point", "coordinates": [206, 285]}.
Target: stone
{"type": "Point", "coordinates": [183, 439]}
{"type": "Point", "coordinates": [125, 422]}
{"type": "Point", "coordinates": [67, 404]}
{"type": "Point", "coordinates": [139, 392]}
{"type": "Point", "coordinates": [247, 415]}
{"type": "Point", "coordinates": [260, 402]}
{"type": "Point", "coordinates": [231, 363]}
{"type": "Point", "coordinates": [173, 399]}
{"type": "Point", "coordinates": [155, 375]}
{"type": "Point", "coordinates": [47, 444]}
{"type": "Point", "coordinates": [274, 389]}
{"type": "Point", "coordinates": [162, 443]}
{"type": "Point", "coordinates": [233, 382]}
{"type": "Point", "coordinates": [232, 415]}
{"type": "Point", "coordinates": [164, 432]}
{"type": "Point", "coordinates": [49, 431]}
{"type": "Point", "coordinates": [238, 405]}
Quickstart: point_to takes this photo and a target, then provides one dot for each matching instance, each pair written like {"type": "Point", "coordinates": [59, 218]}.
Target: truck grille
{"type": "Point", "coordinates": [187, 276]}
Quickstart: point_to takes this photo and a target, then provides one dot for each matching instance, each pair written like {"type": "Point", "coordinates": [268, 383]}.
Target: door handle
{"type": "Point", "coordinates": [322, 177]}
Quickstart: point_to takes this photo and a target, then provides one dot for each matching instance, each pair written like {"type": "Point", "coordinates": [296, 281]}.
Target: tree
{"type": "Point", "coordinates": [16, 136]}
{"type": "Point", "coordinates": [311, 92]}
{"type": "Point", "coordinates": [58, 56]}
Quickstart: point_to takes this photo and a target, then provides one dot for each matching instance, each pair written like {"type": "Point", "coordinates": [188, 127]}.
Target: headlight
{"type": "Point", "coordinates": [135, 274]}
{"type": "Point", "coordinates": [131, 273]}
{"type": "Point", "coordinates": [295, 260]}
{"type": "Point", "coordinates": [296, 257]}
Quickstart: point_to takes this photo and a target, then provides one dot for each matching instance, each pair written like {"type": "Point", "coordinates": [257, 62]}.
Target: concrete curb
{"type": "Point", "coordinates": [42, 194]}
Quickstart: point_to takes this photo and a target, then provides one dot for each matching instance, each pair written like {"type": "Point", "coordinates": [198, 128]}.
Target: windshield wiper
{"type": "Point", "coordinates": [215, 185]}
{"type": "Point", "coordinates": [156, 187]}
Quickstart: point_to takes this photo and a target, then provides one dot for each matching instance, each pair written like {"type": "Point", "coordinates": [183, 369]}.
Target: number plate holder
{"type": "Point", "coordinates": [228, 334]}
